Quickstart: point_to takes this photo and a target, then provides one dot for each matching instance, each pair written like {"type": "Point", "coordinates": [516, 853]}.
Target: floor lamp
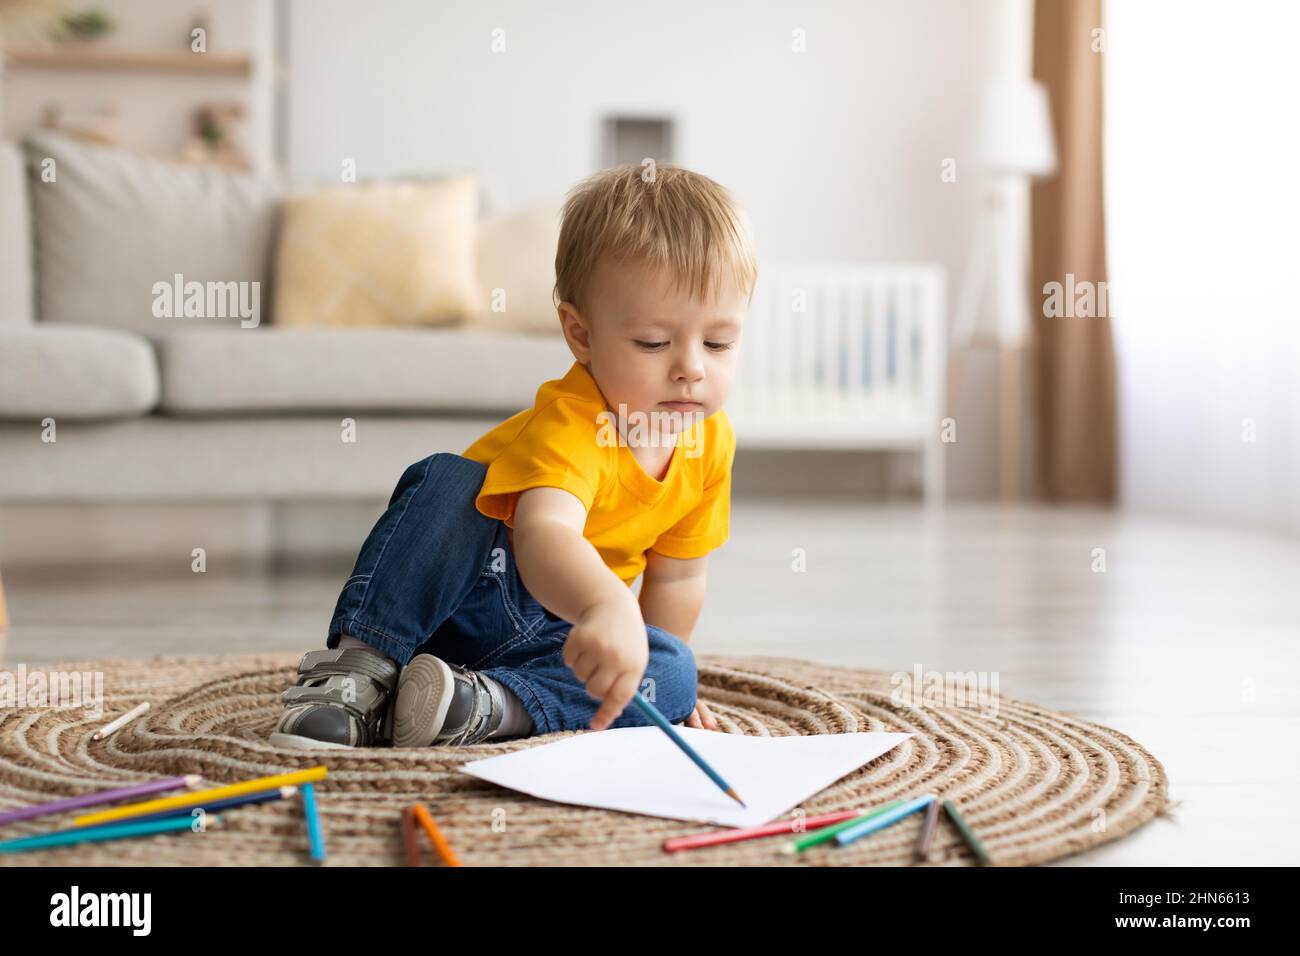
{"type": "Point", "coordinates": [1014, 145]}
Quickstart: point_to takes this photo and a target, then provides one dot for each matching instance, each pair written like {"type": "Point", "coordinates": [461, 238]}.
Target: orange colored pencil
{"type": "Point", "coordinates": [431, 828]}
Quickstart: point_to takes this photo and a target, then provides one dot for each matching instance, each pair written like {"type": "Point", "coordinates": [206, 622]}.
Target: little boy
{"type": "Point", "coordinates": [493, 597]}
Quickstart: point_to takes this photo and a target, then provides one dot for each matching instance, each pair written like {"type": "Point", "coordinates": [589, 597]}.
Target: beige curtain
{"type": "Point", "coordinates": [1075, 361]}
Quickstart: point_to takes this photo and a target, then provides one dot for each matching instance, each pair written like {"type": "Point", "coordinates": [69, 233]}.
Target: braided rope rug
{"type": "Point", "coordinates": [1036, 785]}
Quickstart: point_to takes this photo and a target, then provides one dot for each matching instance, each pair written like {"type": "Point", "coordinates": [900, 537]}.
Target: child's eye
{"type": "Point", "coordinates": [711, 346]}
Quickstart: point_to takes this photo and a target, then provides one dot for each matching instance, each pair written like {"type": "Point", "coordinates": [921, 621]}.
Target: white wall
{"type": "Point", "coordinates": [1202, 208]}
{"type": "Point", "coordinates": [835, 152]}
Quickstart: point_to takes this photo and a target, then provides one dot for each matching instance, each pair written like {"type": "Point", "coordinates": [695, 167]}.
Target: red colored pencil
{"type": "Point", "coordinates": [750, 833]}
{"type": "Point", "coordinates": [409, 839]}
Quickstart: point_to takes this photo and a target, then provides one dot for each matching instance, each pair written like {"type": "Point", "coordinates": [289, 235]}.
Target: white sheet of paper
{"type": "Point", "coordinates": [639, 770]}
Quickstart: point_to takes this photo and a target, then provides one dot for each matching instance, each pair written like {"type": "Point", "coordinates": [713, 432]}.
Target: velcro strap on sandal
{"type": "Point", "coordinates": [339, 689]}
{"type": "Point", "coordinates": [381, 670]}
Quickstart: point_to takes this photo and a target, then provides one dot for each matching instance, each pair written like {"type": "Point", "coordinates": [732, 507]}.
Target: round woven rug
{"type": "Point", "coordinates": [1035, 784]}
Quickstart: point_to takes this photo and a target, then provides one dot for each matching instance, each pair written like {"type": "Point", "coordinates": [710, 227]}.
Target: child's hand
{"type": "Point", "coordinates": [608, 650]}
{"type": "Point", "coordinates": [701, 717]}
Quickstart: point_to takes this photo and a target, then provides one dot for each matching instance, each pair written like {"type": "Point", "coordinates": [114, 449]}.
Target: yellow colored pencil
{"type": "Point", "coordinates": [199, 797]}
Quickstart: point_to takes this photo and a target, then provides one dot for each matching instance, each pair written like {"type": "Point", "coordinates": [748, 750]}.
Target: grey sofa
{"type": "Point", "coordinates": [146, 409]}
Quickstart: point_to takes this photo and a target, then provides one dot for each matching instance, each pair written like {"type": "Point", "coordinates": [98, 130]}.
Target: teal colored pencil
{"type": "Point", "coordinates": [313, 821]}
{"type": "Point", "coordinates": [883, 820]}
{"type": "Point", "coordinates": [652, 712]}
{"type": "Point", "coordinates": [41, 841]}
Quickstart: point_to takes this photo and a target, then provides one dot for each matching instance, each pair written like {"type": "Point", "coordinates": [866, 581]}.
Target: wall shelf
{"type": "Point", "coordinates": [130, 61]}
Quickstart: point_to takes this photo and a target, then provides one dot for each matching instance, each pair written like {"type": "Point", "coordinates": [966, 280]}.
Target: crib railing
{"type": "Point", "coordinates": [845, 356]}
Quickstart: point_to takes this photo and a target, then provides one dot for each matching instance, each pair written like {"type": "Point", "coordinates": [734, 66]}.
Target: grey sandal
{"type": "Point", "coordinates": [343, 699]}
{"type": "Point", "coordinates": [441, 704]}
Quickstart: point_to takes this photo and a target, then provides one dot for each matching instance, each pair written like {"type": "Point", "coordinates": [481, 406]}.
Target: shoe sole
{"type": "Point", "coordinates": [424, 695]}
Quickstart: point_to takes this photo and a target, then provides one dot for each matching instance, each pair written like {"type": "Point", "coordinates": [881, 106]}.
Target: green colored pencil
{"type": "Point", "coordinates": [966, 832]}
{"type": "Point", "coordinates": [828, 833]}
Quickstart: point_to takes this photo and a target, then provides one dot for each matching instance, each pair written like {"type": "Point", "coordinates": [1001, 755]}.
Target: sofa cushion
{"type": "Point", "coordinates": [15, 239]}
{"type": "Point", "coordinates": [218, 371]}
{"type": "Point", "coordinates": [380, 255]}
{"type": "Point", "coordinates": [111, 225]}
{"type": "Point", "coordinates": [74, 373]}
{"type": "Point", "coordinates": [516, 254]}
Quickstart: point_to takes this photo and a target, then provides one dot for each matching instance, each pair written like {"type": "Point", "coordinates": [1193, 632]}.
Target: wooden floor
{"type": "Point", "coordinates": [1187, 641]}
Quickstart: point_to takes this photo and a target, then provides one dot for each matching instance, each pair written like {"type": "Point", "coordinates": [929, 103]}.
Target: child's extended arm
{"type": "Point", "coordinates": [557, 564]}
{"type": "Point", "coordinates": [607, 648]}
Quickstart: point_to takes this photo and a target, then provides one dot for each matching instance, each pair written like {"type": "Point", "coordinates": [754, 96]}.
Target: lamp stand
{"type": "Point", "coordinates": [993, 253]}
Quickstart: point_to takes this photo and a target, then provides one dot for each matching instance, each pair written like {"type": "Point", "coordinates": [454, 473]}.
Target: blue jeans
{"type": "Point", "coordinates": [436, 576]}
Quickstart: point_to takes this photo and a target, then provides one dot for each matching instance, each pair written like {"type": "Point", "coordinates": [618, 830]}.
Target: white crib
{"type": "Point", "coordinates": [845, 356]}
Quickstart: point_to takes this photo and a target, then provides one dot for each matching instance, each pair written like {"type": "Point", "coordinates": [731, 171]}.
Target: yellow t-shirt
{"type": "Point", "coordinates": [563, 441]}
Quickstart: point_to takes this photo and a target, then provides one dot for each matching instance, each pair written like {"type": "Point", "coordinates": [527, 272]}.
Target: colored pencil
{"type": "Point", "coordinates": [880, 821]}
{"type": "Point", "coordinates": [100, 796]}
{"type": "Point", "coordinates": [661, 721]}
{"type": "Point", "coordinates": [229, 803]}
{"type": "Point", "coordinates": [150, 818]}
{"type": "Point", "coordinates": [439, 842]}
{"type": "Point", "coordinates": [928, 828]}
{"type": "Point", "coordinates": [312, 814]}
{"type": "Point", "coordinates": [410, 839]}
{"type": "Point", "coordinates": [828, 833]}
{"type": "Point", "coordinates": [99, 834]}
{"type": "Point", "coordinates": [201, 797]}
{"type": "Point", "coordinates": [967, 833]}
{"type": "Point", "coordinates": [129, 716]}
{"type": "Point", "coordinates": [714, 837]}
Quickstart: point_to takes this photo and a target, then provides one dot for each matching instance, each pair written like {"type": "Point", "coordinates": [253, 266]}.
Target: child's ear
{"type": "Point", "coordinates": [576, 332]}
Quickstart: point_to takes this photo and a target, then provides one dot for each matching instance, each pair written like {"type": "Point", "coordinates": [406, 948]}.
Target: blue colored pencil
{"type": "Point", "coordinates": [883, 820]}
{"type": "Point", "coordinates": [109, 831]}
{"type": "Point", "coordinates": [187, 812]}
{"type": "Point", "coordinates": [652, 712]}
{"type": "Point", "coordinates": [313, 821]}
{"type": "Point", "coordinates": [229, 803]}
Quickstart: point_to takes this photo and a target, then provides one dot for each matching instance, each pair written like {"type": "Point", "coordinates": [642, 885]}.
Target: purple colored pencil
{"type": "Point", "coordinates": [99, 796]}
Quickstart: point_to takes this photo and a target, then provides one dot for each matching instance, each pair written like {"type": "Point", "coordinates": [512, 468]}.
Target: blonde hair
{"type": "Point", "coordinates": [675, 219]}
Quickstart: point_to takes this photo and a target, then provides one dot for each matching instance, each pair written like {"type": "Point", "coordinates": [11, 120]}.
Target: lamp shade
{"type": "Point", "coordinates": [1014, 133]}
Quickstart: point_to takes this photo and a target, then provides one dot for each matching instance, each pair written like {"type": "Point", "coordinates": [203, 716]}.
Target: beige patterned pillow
{"type": "Point", "coordinates": [516, 271]}
{"type": "Point", "coordinates": [383, 254]}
